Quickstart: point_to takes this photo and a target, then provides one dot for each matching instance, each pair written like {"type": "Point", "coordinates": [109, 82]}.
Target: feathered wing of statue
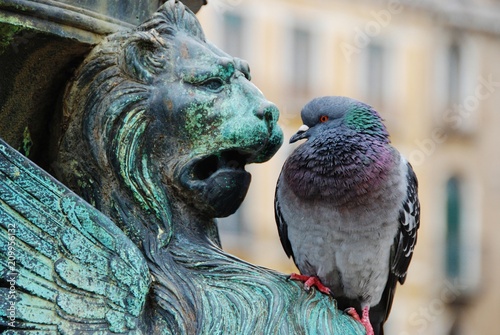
{"type": "Point", "coordinates": [156, 129]}
{"type": "Point", "coordinates": [69, 268]}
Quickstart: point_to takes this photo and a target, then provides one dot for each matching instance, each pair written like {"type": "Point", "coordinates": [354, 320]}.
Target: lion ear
{"type": "Point", "coordinates": [144, 55]}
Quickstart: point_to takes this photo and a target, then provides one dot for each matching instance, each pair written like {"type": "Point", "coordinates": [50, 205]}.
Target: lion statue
{"type": "Point", "coordinates": [156, 129]}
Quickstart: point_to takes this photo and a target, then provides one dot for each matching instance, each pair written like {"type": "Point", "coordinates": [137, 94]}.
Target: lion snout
{"type": "Point", "coordinates": [268, 113]}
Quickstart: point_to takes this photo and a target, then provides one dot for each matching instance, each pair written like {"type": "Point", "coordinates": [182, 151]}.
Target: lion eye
{"type": "Point", "coordinates": [212, 84]}
{"type": "Point", "coordinates": [323, 118]}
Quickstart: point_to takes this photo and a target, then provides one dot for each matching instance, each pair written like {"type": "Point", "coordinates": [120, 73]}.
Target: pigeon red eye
{"type": "Point", "coordinates": [323, 118]}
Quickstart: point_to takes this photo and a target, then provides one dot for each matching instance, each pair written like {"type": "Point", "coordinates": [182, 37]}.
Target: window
{"type": "Point", "coordinates": [301, 60]}
{"type": "Point", "coordinates": [453, 223]}
{"type": "Point", "coordinates": [463, 236]}
{"type": "Point", "coordinates": [375, 74]}
{"type": "Point", "coordinates": [460, 102]}
{"type": "Point", "coordinates": [233, 34]}
{"type": "Point", "coordinates": [454, 74]}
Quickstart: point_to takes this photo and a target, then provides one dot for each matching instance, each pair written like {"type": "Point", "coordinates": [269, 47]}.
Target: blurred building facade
{"type": "Point", "coordinates": [433, 72]}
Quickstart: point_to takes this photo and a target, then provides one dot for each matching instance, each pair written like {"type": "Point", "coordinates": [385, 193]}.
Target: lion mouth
{"type": "Point", "coordinates": [226, 160]}
{"type": "Point", "coordinates": [218, 183]}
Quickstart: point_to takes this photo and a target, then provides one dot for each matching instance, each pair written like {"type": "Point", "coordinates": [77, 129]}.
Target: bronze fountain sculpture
{"type": "Point", "coordinates": [154, 133]}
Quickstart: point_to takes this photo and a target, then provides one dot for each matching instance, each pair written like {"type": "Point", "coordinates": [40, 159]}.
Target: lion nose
{"type": "Point", "coordinates": [268, 113]}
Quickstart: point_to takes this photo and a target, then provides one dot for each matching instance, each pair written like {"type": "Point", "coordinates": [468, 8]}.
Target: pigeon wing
{"type": "Point", "coordinates": [65, 267]}
{"type": "Point", "coordinates": [409, 222]}
{"type": "Point", "coordinates": [280, 221]}
{"type": "Point", "coordinates": [402, 249]}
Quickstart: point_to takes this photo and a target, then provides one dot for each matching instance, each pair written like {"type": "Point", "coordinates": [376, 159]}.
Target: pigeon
{"type": "Point", "coordinates": [347, 208]}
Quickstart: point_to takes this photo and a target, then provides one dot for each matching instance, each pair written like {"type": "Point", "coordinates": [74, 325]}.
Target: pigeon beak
{"type": "Point", "coordinates": [300, 134]}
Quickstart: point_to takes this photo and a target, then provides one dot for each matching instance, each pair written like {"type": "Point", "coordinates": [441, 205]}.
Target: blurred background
{"type": "Point", "coordinates": [432, 70]}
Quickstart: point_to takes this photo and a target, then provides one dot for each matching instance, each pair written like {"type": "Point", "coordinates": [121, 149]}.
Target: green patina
{"type": "Point", "coordinates": [199, 122]}
{"type": "Point", "coordinates": [7, 35]}
{"type": "Point", "coordinates": [27, 142]}
{"type": "Point", "coordinates": [200, 75]}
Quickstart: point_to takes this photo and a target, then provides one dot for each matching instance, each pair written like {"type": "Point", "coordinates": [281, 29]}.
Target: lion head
{"type": "Point", "coordinates": [158, 120]}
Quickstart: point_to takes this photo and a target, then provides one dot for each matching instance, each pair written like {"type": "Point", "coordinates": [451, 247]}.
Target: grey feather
{"type": "Point", "coordinates": [346, 205]}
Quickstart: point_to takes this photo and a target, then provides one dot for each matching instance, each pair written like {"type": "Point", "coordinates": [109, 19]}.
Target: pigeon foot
{"type": "Point", "coordinates": [364, 320]}
{"type": "Point", "coordinates": [310, 281]}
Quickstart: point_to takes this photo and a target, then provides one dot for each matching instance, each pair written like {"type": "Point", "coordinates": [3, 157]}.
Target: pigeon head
{"type": "Point", "coordinates": [340, 113]}
{"type": "Point", "coordinates": [347, 153]}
